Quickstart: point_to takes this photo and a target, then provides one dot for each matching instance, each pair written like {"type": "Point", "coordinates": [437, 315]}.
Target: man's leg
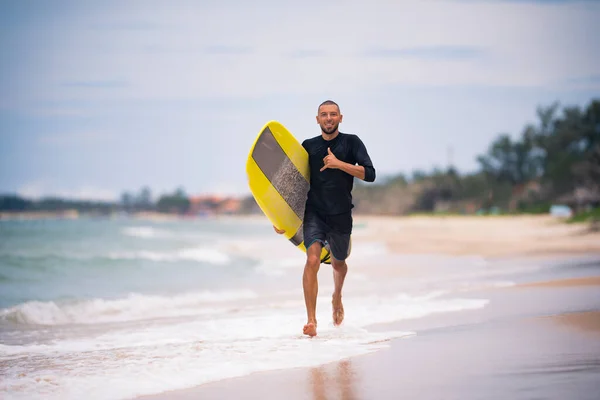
{"type": "Point", "coordinates": [339, 243]}
{"type": "Point", "coordinates": [311, 286]}
{"type": "Point", "coordinates": [340, 268]}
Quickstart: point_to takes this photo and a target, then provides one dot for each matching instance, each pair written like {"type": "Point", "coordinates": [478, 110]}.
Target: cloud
{"type": "Point", "coordinates": [432, 53]}
{"type": "Point", "coordinates": [220, 50]}
{"type": "Point", "coordinates": [536, 2]}
{"type": "Point", "coordinates": [543, 46]}
{"type": "Point", "coordinates": [546, 1]}
{"type": "Point", "coordinates": [403, 39]}
{"type": "Point", "coordinates": [57, 111]}
{"type": "Point", "coordinates": [304, 53]}
{"type": "Point", "coordinates": [586, 82]}
{"type": "Point", "coordinates": [100, 84]}
{"type": "Point", "coordinates": [74, 138]}
{"type": "Point", "coordinates": [590, 79]}
{"type": "Point", "coordinates": [129, 26]}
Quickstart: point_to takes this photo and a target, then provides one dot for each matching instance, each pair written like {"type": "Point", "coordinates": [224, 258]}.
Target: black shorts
{"type": "Point", "coordinates": [331, 230]}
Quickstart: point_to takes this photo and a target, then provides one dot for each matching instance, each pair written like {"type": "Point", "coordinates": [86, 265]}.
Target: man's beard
{"type": "Point", "coordinates": [331, 130]}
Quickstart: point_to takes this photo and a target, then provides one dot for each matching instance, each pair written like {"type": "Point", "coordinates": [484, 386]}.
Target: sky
{"type": "Point", "coordinates": [99, 98]}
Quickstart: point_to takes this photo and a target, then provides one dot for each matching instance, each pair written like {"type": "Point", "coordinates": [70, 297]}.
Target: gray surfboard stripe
{"type": "Point", "coordinates": [298, 236]}
{"type": "Point", "coordinates": [283, 175]}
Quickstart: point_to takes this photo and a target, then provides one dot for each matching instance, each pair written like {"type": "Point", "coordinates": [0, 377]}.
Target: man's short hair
{"type": "Point", "coordinates": [328, 103]}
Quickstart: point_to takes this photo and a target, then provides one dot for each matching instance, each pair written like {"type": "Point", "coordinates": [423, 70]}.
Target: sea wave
{"type": "Point", "coordinates": [190, 351]}
{"type": "Point", "coordinates": [201, 254]}
{"type": "Point", "coordinates": [193, 351]}
{"type": "Point", "coordinates": [145, 232]}
{"type": "Point", "coordinates": [130, 308]}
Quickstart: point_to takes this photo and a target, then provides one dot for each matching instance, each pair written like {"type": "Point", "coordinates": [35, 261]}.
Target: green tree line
{"type": "Point", "coordinates": [176, 202]}
{"type": "Point", "coordinates": [556, 160]}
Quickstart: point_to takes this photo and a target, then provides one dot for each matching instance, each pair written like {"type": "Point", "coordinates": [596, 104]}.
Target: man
{"type": "Point", "coordinates": [335, 159]}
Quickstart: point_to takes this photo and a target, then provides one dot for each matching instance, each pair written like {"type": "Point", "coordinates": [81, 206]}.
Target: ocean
{"type": "Point", "coordinates": [120, 308]}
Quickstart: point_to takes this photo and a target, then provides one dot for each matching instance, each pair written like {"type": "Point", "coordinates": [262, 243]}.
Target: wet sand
{"type": "Point", "coordinates": [587, 321]}
{"type": "Point", "coordinates": [570, 282]}
{"type": "Point", "coordinates": [517, 358]}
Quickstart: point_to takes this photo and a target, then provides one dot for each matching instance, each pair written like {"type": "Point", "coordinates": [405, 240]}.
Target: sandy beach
{"type": "Point", "coordinates": [488, 236]}
{"type": "Point", "coordinates": [537, 338]}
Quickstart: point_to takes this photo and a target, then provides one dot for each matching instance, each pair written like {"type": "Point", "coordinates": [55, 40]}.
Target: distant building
{"type": "Point", "coordinates": [230, 206]}
{"type": "Point", "coordinates": [581, 199]}
{"type": "Point", "coordinates": [524, 192]}
{"type": "Point", "coordinates": [209, 205]}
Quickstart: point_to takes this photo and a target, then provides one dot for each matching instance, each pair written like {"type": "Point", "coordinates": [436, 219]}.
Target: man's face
{"type": "Point", "coordinates": [329, 118]}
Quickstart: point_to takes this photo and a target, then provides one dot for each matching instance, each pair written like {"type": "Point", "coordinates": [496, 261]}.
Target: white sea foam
{"type": "Point", "coordinates": [278, 267]}
{"type": "Point", "coordinates": [278, 263]}
{"type": "Point", "coordinates": [146, 232]}
{"type": "Point", "coordinates": [271, 247]}
{"type": "Point", "coordinates": [200, 254]}
{"type": "Point", "coordinates": [176, 355]}
{"type": "Point", "coordinates": [131, 308]}
{"type": "Point", "coordinates": [152, 369]}
{"type": "Point", "coordinates": [368, 250]}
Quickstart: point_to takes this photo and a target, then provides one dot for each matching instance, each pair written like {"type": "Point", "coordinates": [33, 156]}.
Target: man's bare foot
{"type": "Point", "coordinates": [338, 309]}
{"type": "Point", "coordinates": [310, 329]}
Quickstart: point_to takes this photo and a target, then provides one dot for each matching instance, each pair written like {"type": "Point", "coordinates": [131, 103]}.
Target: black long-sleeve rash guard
{"type": "Point", "coordinates": [331, 189]}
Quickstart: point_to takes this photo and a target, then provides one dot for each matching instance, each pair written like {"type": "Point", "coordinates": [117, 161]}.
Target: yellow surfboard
{"type": "Point", "coordinates": [279, 176]}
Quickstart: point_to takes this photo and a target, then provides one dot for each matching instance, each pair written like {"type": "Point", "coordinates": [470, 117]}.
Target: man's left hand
{"type": "Point", "coordinates": [330, 161]}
